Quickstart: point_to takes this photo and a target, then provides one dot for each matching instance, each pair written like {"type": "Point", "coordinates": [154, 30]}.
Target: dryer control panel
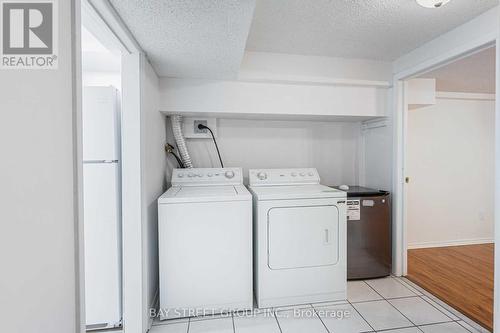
{"type": "Point", "coordinates": [268, 177]}
{"type": "Point", "coordinates": [207, 176]}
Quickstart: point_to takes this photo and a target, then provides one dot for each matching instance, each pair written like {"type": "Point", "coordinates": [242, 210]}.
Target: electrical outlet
{"type": "Point", "coordinates": [191, 131]}
{"type": "Point", "coordinates": [200, 122]}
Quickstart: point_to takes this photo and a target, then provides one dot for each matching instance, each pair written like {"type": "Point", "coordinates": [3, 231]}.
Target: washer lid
{"type": "Point", "coordinates": [295, 192]}
{"type": "Point", "coordinates": [204, 194]}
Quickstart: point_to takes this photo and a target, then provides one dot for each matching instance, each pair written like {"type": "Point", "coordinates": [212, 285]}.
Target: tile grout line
{"type": "Point", "coordinates": [407, 286]}
{"type": "Point", "coordinates": [396, 329]}
{"type": "Point", "coordinates": [373, 329]}
{"type": "Point", "coordinates": [277, 321]}
{"type": "Point", "coordinates": [189, 325]}
{"type": "Point", "coordinates": [458, 322]}
{"type": "Point", "coordinates": [435, 307]}
{"type": "Point", "coordinates": [403, 283]}
{"type": "Point", "coordinates": [320, 319]}
{"type": "Point", "coordinates": [435, 299]}
{"type": "Point", "coordinates": [170, 322]}
{"type": "Point", "coordinates": [232, 320]}
{"type": "Point", "coordinates": [387, 299]}
{"type": "Point", "coordinates": [393, 306]}
{"type": "Point", "coordinates": [438, 323]}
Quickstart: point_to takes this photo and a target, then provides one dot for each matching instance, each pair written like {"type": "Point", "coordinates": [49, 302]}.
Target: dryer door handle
{"type": "Point", "coordinates": [327, 236]}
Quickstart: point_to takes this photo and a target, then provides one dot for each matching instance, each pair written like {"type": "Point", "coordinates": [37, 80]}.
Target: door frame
{"type": "Point", "coordinates": [105, 23]}
{"type": "Point", "coordinates": [400, 117]}
{"type": "Point", "coordinates": [400, 139]}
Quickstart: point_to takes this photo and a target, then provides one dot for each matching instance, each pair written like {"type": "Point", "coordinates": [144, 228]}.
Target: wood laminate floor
{"type": "Point", "coordinates": [461, 276]}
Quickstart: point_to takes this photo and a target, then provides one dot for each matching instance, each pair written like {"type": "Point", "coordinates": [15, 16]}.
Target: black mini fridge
{"type": "Point", "coordinates": [369, 233]}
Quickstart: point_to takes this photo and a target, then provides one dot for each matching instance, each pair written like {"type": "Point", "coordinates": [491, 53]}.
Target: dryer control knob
{"type": "Point", "coordinates": [229, 174]}
{"type": "Point", "coordinates": [302, 174]}
{"type": "Point", "coordinates": [262, 175]}
{"type": "Point", "coordinates": [190, 174]}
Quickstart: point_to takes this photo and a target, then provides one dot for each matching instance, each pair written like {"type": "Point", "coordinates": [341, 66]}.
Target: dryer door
{"type": "Point", "coordinates": [303, 236]}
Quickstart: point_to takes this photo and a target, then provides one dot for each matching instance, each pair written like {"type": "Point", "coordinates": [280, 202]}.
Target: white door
{"type": "Point", "coordinates": [303, 236]}
{"type": "Point", "coordinates": [102, 238]}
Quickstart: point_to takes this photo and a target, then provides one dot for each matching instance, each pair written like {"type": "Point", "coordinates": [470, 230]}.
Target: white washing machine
{"type": "Point", "coordinates": [299, 238]}
{"type": "Point", "coordinates": [205, 243]}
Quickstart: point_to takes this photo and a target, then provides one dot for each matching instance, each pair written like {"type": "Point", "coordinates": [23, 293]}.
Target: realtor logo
{"type": "Point", "coordinates": [29, 39]}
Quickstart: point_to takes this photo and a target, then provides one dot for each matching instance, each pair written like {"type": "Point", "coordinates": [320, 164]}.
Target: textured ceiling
{"type": "Point", "coordinates": [184, 38]}
{"type": "Point", "coordinates": [371, 29]}
{"type": "Point", "coordinates": [474, 74]}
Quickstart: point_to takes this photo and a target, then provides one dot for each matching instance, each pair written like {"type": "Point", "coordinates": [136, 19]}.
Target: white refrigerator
{"type": "Point", "coordinates": [102, 207]}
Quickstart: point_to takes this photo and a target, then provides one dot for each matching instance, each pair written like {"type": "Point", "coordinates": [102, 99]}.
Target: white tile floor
{"type": "Point", "coordinates": [389, 305]}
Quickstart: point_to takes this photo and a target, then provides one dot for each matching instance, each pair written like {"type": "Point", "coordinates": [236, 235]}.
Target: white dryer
{"type": "Point", "coordinates": [299, 238]}
{"type": "Point", "coordinates": [205, 243]}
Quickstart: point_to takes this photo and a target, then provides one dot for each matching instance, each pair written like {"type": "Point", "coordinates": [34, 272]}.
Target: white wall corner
{"type": "Point", "coordinates": [421, 92]}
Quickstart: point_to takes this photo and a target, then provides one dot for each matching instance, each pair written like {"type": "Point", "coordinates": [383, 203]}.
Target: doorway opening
{"type": "Point", "coordinates": [450, 183]}
{"type": "Point", "coordinates": [102, 198]}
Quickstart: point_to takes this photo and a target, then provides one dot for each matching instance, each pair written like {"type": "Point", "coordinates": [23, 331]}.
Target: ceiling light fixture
{"type": "Point", "coordinates": [432, 3]}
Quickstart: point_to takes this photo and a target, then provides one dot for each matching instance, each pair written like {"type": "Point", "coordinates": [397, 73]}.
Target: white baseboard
{"type": "Point", "coordinates": [450, 243]}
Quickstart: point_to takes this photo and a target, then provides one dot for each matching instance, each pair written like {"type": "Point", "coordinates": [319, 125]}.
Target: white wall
{"type": "Point", "coordinates": [376, 155]}
{"type": "Point", "coordinates": [153, 160]}
{"type": "Point", "coordinates": [102, 79]}
{"type": "Point", "coordinates": [38, 206]}
{"type": "Point", "coordinates": [451, 168]}
{"type": "Point", "coordinates": [330, 147]}
{"type": "Point", "coordinates": [265, 64]}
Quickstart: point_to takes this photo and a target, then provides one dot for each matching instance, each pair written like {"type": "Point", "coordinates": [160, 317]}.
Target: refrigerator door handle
{"type": "Point", "coordinates": [99, 161]}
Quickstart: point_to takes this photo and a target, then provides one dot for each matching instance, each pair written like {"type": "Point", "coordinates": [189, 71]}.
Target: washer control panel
{"type": "Point", "coordinates": [267, 177]}
{"type": "Point", "coordinates": [207, 176]}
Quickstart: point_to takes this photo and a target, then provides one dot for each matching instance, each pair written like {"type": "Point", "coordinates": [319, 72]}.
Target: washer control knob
{"type": "Point", "coordinates": [302, 174]}
{"type": "Point", "coordinates": [200, 175]}
{"type": "Point", "coordinates": [190, 174]}
{"type": "Point", "coordinates": [229, 174]}
{"type": "Point", "coordinates": [311, 174]}
{"type": "Point", "coordinates": [262, 175]}
{"type": "Point", "coordinates": [180, 175]}
{"type": "Point", "coordinates": [294, 174]}
{"type": "Point", "coordinates": [209, 175]}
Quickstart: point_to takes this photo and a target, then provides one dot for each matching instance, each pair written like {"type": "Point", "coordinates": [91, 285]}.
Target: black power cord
{"type": "Point", "coordinates": [201, 127]}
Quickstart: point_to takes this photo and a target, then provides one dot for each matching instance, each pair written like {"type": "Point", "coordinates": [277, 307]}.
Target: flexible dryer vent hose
{"type": "Point", "coordinates": [180, 141]}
